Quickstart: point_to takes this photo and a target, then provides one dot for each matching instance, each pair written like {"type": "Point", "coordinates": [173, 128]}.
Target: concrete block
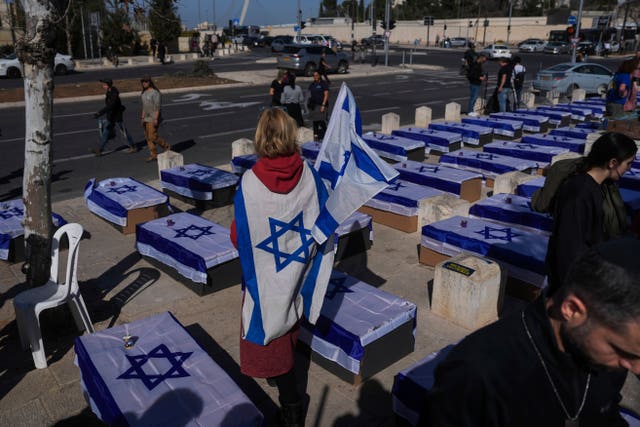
{"type": "Point", "coordinates": [591, 138]}
{"type": "Point", "coordinates": [478, 107]}
{"type": "Point", "coordinates": [169, 159]}
{"type": "Point", "coordinates": [152, 60]}
{"type": "Point", "coordinates": [241, 147]}
{"type": "Point", "coordinates": [423, 117]}
{"type": "Point", "coordinates": [452, 112]}
{"type": "Point", "coordinates": [564, 156]}
{"type": "Point", "coordinates": [508, 182]}
{"type": "Point", "coordinates": [578, 95]}
{"type": "Point", "coordinates": [304, 135]}
{"type": "Point", "coordinates": [390, 122]}
{"type": "Point", "coordinates": [529, 99]}
{"type": "Point", "coordinates": [553, 97]}
{"type": "Point", "coordinates": [468, 291]}
{"type": "Point", "coordinates": [130, 61]}
{"type": "Point", "coordinates": [441, 207]}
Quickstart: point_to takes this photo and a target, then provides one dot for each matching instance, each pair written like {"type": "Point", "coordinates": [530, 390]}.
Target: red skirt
{"type": "Point", "coordinates": [271, 360]}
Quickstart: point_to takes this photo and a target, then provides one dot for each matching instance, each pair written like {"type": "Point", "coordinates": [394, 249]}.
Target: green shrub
{"type": "Point", "coordinates": [201, 68]}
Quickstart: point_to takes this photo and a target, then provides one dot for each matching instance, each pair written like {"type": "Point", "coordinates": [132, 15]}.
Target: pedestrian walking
{"type": "Point", "coordinates": [517, 76]}
{"type": "Point", "coordinates": [292, 98]}
{"type": "Point", "coordinates": [162, 51]}
{"type": "Point", "coordinates": [505, 89]}
{"type": "Point", "coordinates": [476, 76]}
{"type": "Point", "coordinates": [112, 112]}
{"type": "Point", "coordinates": [323, 67]}
{"type": "Point", "coordinates": [152, 117]}
{"type": "Point", "coordinates": [318, 102]}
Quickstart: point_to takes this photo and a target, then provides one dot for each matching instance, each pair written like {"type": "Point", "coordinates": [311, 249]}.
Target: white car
{"type": "Point", "coordinates": [497, 51]}
{"type": "Point", "coordinates": [532, 45]}
{"type": "Point", "coordinates": [11, 67]}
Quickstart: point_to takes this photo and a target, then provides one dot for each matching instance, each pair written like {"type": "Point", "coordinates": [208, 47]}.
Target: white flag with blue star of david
{"type": "Point", "coordinates": [284, 271]}
{"type": "Point", "coordinates": [351, 169]}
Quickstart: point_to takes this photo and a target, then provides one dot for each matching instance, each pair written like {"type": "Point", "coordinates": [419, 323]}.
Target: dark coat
{"type": "Point", "coordinates": [113, 107]}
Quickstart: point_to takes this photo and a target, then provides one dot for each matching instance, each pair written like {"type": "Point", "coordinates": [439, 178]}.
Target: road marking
{"type": "Point", "coordinates": [229, 132]}
{"type": "Point", "coordinates": [381, 94]}
{"type": "Point", "coordinates": [254, 96]}
{"type": "Point", "coordinates": [177, 119]}
{"type": "Point", "coordinates": [217, 105]}
{"type": "Point", "coordinates": [379, 109]}
{"type": "Point", "coordinates": [189, 97]}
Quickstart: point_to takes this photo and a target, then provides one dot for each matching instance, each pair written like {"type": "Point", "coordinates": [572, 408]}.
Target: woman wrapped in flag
{"type": "Point", "coordinates": [285, 272]}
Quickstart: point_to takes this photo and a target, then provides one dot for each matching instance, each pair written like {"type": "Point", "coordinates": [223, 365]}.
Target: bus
{"type": "Point", "coordinates": [559, 36]}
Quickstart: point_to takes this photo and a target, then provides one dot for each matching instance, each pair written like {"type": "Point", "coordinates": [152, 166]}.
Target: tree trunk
{"type": "Point", "coordinates": [67, 32]}
{"type": "Point", "coordinates": [36, 51]}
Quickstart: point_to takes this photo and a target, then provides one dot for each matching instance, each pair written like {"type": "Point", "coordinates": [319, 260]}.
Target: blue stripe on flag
{"type": "Point", "coordinates": [365, 164]}
{"type": "Point", "coordinates": [255, 329]}
{"type": "Point", "coordinates": [329, 173]}
{"type": "Point", "coordinates": [309, 286]}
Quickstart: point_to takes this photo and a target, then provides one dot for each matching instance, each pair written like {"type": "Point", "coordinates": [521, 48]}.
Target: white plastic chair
{"type": "Point", "coordinates": [30, 303]}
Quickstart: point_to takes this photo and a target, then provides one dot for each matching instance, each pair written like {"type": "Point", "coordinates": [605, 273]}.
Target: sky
{"type": "Point", "coordinates": [260, 12]}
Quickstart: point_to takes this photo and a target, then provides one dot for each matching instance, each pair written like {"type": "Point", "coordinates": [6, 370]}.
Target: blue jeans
{"type": "Point", "coordinates": [473, 96]}
{"type": "Point", "coordinates": [506, 94]}
{"type": "Point", "coordinates": [104, 137]}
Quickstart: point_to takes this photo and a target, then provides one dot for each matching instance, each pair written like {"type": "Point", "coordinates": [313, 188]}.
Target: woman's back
{"type": "Point", "coordinates": [292, 95]}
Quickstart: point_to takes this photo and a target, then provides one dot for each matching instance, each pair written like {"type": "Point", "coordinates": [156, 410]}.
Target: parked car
{"type": "Point", "coordinates": [11, 67]}
{"type": "Point", "coordinates": [497, 51]}
{"type": "Point", "coordinates": [265, 41]}
{"type": "Point", "coordinates": [305, 59]}
{"type": "Point", "coordinates": [377, 39]}
{"type": "Point", "coordinates": [565, 77]}
{"type": "Point", "coordinates": [557, 48]}
{"type": "Point", "coordinates": [532, 45]}
{"type": "Point", "coordinates": [251, 41]}
{"type": "Point", "coordinates": [458, 42]}
{"type": "Point", "coordinates": [279, 42]}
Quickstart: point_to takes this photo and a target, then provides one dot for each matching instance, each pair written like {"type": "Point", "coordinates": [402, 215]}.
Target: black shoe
{"type": "Point", "coordinates": [292, 414]}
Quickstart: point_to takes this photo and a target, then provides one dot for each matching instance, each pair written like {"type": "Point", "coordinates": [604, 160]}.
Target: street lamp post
{"type": "Point", "coordinates": [509, 24]}
{"type": "Point", "coordinates": [574, 44]}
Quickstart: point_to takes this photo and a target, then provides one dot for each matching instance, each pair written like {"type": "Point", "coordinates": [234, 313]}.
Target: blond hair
{"type": "Point", "coordinates": [276, 134]}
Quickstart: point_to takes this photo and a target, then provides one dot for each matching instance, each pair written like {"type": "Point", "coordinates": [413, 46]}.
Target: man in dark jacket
{"type": "Point", "coordinates": [112, 112]}
{"type": "Point", "coordinates": [476, 77]}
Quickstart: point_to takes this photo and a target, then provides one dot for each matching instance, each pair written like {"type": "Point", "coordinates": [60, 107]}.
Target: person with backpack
{"type": "Point", "coordinates": [518, 78]}
{"type": "Point", "coordinates": [476, 77]}
{"type": "Point", "coordinates": [584, 200]}
{"type": "Point", "coordinates": [113, 118]}
{"type": "Point", "coordinates": [621, 88]}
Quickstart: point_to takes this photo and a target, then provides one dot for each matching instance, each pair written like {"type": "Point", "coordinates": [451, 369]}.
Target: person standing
{"type": "Point", "coordinates": [476, 77]}
{"type": "Point", "coordinates": [318, 102]}
{"type": "Point", "coordinates": [505, 89]}
{"type": "Point", "coordinates": [277, 86]}
{"type": "Point", "coordinates": [152, 117]}
{"type": "Point", "coordinates": [278, 292]}
{"type": "Point", "coordinates": [561, 361]}
{"type": "Point", "coordinates": [518, 79]}
{"type": "Point", "coordinates": [323, 67]}
{"type": "Point", "coordinates": [162, 51]}
{"type": "Point", "coordinates": [153, 43]}
{"type": "Point", "coordinates": [292, 98]}
{"type": "Point", "coordinates": [578, 208]}
{"type": "Point", "coordinates": [622, 89]}
{"type": "Point", "coordinates": [112, 111]}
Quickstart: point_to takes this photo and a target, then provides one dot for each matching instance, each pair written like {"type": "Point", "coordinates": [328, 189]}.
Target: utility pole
{"type": "Point", "coordinates": [387, 12]}
{"type": "Point", "coordinates": [215, 27]}
{"type": "Point", "coordinates": [84, 34]}
{"type": "Point", "coordinates": [299, 21]}
{"type": "Point", "coordinates": [199, 15]}
{"type": "Point", "coordinates": [574, 44]}
{"type": "Point", "coordinates": [354, 10]}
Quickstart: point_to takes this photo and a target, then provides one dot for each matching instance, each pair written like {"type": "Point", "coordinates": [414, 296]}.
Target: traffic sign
{"type": "Point", "coordinates": [296, 28]}
{"type": "Point", "coordinates": [236, 21]}
{"type": "Point", "coordinates": [572, 20]}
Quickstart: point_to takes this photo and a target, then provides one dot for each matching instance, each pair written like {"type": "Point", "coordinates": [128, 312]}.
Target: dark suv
{"type": "Point", "coordinates": [305, 58]}
{"type": "Point", "coordinates": [377, 39]}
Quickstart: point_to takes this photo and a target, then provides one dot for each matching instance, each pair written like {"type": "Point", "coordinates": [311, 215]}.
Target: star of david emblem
{"type": "Point", "coordinates": [200, 172]}
{"type": "Point", "coordinates": [123, 189]}
{"type": "Point", "coordinates": [485, 156]}
{"type": "Point", "coordinates": [194, 232]}
{"type": "Point", "coordinates": [432, 169]}
{"type": "Point", "coordinates": [525, 146]}
{"type": "Point", "coordinates": [272, 244]}
{"type": "Point", "coordinates": [397, 186]}
{"type": "Point", "coordinates": [136, 371]}
{"type": "Point", "coordinates": [11, 212]}
{"type": "Point", "coordinates": [505, 234]}
{"type": "Point", "coordinates": [337, 287]}
{"type": "Point", "coordinates": [631, 172]}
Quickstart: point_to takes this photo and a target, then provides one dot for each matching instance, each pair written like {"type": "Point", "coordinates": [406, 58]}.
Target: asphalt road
{"type": "Point", "coordinates": [202, 125]}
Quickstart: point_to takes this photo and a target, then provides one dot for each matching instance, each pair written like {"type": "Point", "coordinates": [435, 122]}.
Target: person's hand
{"type": "Point", "coordinates": [155, 122]}
{"type": "Point", "coordinates": [322, 108]}
{"type": "Point", "coordinates": [499, 89]}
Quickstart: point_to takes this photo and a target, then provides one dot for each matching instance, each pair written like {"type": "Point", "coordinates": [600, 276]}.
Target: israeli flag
{"type": "Point", "coordinates": [353, 171]}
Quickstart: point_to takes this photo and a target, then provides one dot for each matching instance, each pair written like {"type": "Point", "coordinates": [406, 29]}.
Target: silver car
{"type": "Point", "coordinates": [565, 77]}
{"type": "Point", "coordinates": [532, 45]}
{"type": "Point", "coordinates": [305, 58]}
{"type": "Point", "coordinates": [557, 48]}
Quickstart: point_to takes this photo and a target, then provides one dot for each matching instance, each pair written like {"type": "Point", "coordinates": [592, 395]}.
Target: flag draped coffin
{"type": "Point", "coordinates": [196, 181]}
{"type": "Point", "coordinates": [396, 148]}
{"type": "Point", "coordinates": [631, 180]}
{"type": "Point", "coordinates": [503, 127]}
{"type": "Point", "coordinates": [349, 167]}
{"type": "Point", "coordinates": [241, 164]}
{"type": "Point", "coordinates": [572, 144]}
{"type": "Point", "coordinates": [571, 132]}
{"type": "Point", "coordinates": [436, 140]}
{"type": "Point", "coordinates": [488, 164]}
{"type": "Point", "coordinates": [463, 183]}
{"type": "Point", "coordinates": [554, 118]}
{"type": "Point", "coordinates": [538, 153]}
{"type": "Point", "coordinates": [530, 122]}
{"type": "Point", "coordinates": [471, 134]}
{"type": "Point", "coordinates": [513, 210]}
{"type": "Point", "coordinates": [285, 272]}
{"type": "Point", "coordinates": [163, 379]}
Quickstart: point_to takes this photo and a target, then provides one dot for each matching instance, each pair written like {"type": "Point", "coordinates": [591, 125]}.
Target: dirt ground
{"type": "Point", "coordinates": [126, 85]}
